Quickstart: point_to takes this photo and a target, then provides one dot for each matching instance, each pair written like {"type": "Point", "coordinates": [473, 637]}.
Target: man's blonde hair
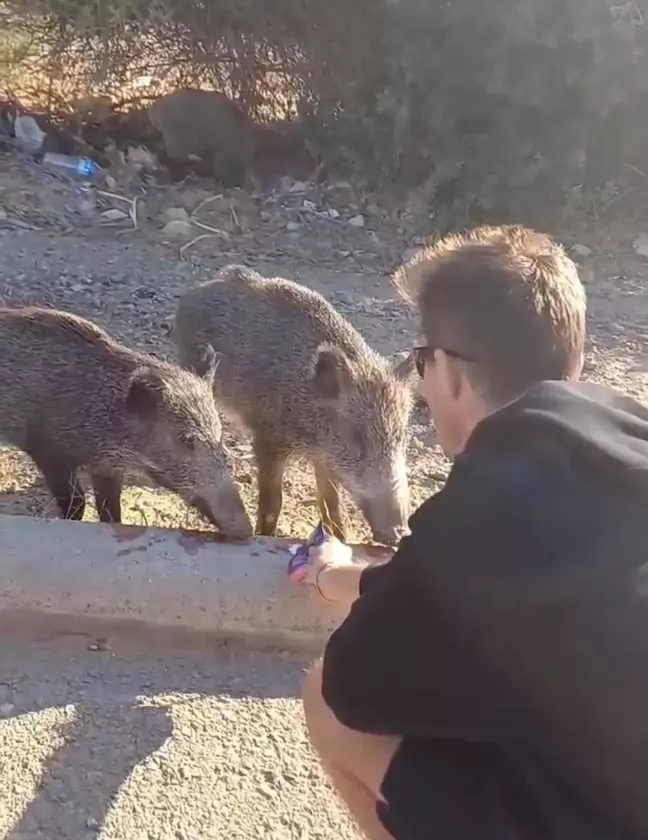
{"type": "Point", "coordinates": [508, 297]}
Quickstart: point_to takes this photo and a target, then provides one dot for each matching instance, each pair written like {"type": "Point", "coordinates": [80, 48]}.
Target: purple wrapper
{"type": "Point", "coordinates": [299, 561]}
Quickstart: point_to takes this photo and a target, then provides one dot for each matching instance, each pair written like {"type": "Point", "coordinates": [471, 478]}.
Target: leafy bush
{"type": "Point", "coordinates": [495, 107]}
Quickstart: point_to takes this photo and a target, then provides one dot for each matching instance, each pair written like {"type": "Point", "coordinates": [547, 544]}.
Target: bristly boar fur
{"type": "Point", "coordinates": [304, 382]}
{"type": "Point", "coordinates": [74, 398]}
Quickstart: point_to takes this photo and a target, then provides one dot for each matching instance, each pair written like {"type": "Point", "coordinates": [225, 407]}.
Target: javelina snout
{"type": "Point", "coordinates": [180, 435]}
{"type": "Point", "coordinates": [362, 441]}
{"type": "Point", "coordinates": [304, 382]}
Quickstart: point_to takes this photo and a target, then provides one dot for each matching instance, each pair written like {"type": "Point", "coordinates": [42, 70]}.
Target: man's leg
{"type": "Point", "coordinates": [355, 763]}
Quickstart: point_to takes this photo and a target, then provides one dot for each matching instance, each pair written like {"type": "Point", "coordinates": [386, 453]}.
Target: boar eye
{"type": "Point", "coordinates": [188, 441]}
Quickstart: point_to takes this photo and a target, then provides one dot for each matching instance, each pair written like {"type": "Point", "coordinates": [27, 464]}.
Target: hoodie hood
{"type": "Point", "coordinates": [598, 429]}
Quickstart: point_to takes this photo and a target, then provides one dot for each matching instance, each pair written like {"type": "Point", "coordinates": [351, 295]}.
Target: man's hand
{"type": "Point", "coordinates": [329, 554]}
{"type": "Point", "coordinates": [333, 572]}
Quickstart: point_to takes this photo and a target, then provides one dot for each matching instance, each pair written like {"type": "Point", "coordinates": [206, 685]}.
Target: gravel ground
{"type": "Point", "coordinates": [135, 747]}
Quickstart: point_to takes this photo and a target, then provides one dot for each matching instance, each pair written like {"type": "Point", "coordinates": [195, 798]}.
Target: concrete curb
{"type": "Point", "coordinates": [71, 576]}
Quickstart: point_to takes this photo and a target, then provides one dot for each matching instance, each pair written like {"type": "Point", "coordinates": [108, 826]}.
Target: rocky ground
{"type": "Point", "coordinates": [60, 248]}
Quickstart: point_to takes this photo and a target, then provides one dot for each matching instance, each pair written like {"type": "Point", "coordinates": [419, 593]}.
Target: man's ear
{"type": "Point", "coordinates": [144, 394]}
{"type": "Point", "coordinates": [332, 373]}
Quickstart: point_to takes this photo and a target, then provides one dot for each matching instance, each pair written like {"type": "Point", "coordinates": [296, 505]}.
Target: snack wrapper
{"type": "Point", "coordinates": [298, 563]}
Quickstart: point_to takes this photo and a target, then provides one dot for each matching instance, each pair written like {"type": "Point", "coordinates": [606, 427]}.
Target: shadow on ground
{"type": "Point", "coordinates": [115, 713]}
{"type": "Point", "coordinates": [81, 780]}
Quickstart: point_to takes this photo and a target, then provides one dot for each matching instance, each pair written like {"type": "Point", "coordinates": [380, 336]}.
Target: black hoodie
{"type": "Point", "coordinates": [516, 613]}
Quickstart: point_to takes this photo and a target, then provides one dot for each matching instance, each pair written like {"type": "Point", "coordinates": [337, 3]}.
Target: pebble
{"type": "Point", "coordinates": [293, 226]}
{"type": "Point", "coordinates": [357, 221]}
{"type": "Point", "coordinates": [91, 822]}
{"type": "Point", "coordinates": [3, 213]}
{"type": "Point", "coordinates": [333, 213]}
{"type": "Point", "coordinates": [6, 709]}
{"type": "Point", "coordinates": [581, 250]}
{"type": "Point", "coordinates": [641, 245]}
{"type": "Point", "coordinates": [178, 228]}
{"type": "Point", "coordinates": [295, 187]}
{"type": "Point", "coordinates": [176, 214]}
{"type": "Point", "coordinates": [266, 790]}
{"type": "Point", "coordinates": [114, 215]}
{"type": "Point", "coordinates": [87, 206]}
{"type": "Point", "coordinates": [409, 254]}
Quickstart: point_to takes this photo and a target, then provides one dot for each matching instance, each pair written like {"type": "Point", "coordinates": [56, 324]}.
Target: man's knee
{"type": "Point", "coordinates": [320, 720]}
{"type": "Point", "coordinates": [367, 756]}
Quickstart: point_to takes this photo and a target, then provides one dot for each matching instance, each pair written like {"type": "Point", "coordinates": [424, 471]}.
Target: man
{"type": "Point", "coordinates": [491, 679]}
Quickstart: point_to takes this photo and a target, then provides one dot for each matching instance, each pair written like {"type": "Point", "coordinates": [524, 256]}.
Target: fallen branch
{"type": "Point", "coordinates": [188, 245]}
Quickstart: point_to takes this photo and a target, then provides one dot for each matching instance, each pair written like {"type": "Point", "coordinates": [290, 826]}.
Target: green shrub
{"type": "Point", "coordinates": [496, 108]}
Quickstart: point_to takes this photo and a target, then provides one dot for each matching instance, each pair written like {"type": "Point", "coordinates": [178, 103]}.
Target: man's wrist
{"type": "Point", "coordinates": [339, 583]}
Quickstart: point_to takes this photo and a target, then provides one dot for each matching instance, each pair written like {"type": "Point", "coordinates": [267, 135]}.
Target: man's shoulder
{"type": "Point", "coordinates": [562, 452]}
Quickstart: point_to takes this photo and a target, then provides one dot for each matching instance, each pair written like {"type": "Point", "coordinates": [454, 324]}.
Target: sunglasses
{"type": "Point", "coordinates": [426, 351]}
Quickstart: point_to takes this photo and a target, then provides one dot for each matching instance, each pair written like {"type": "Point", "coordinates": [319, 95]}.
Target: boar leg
{"type": "Point", "coordinates": [271, 463]}
{"type": "Point", "coordinates": [60, 476]}
{"type": "Point", "coordinates": [328, 499]}
{"type": "Point", "coordinates": [107, 490]}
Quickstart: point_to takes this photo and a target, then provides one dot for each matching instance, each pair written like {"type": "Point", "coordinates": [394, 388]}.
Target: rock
{"type": "Point", "coordinates": [581, 250]}
{"type": "Point", "coordinates": [333, 213]}
{"type": "Point", "coordinates": [293, 226]}
{"type": "Point", "coordinates": [357, 221]}
{"type": "Point", "coordinates": [265, 790]}
{"type": "Point", "coordinates": [641, 245]}
{"type": "Point", "coordinates": [114, 215]}
{"type": "Point", "coordinates": [178, 228]}
{"type": "Point", "coordinates": [6, 709]}
{"type": "Point", "coordinates": [191, 198]}
{"type": "Point", "coordinates": [92, 823]}
{"type": "Point", "coordinates": [586, 275]}
{"type": "Point", "coordinates": [295, 187]}
{"type": "Point", "coordinates": [409, 254]}
{"type": "Point", "coordinates": [176, 214]}
{"type": "Point", "coordinates": [87, 206]}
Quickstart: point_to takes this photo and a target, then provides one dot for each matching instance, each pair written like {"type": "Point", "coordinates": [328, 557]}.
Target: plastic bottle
{"type": "Point", "coordinates": [74, 167]}
{"type": "Point", "coordinates": [29, 135]}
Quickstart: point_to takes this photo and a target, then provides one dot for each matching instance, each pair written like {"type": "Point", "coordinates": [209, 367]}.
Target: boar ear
{"type": "Point", "coordinates": [208, 364]}
{"type": "Point", "coordinates": [144, 393]}
{"type": "Point", "coordinates": [405, 368]}
{"type": "Point", "coordinates": [331, 372]}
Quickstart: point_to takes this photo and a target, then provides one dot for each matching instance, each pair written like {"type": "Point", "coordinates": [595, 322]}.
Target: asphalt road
{"type": "Point", "coordinates": [147, 746]}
